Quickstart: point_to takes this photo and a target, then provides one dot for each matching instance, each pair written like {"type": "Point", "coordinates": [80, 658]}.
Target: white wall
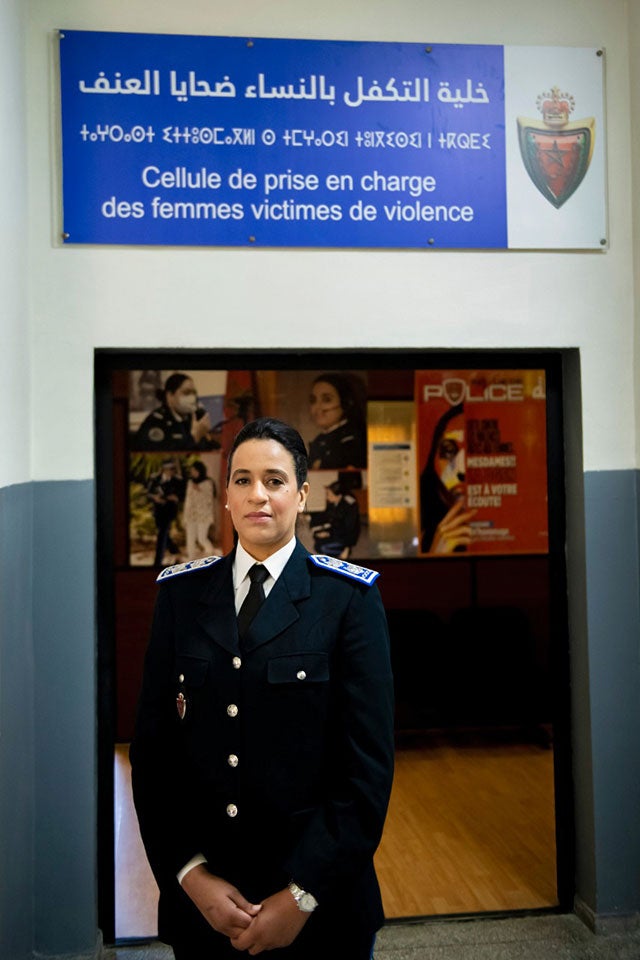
{"type": "Point", "coordinates": [634, 85]}
{"type": "Point", "coordinates": [85, 297]}
{"type": "Point", "coordinates": [14, 352]}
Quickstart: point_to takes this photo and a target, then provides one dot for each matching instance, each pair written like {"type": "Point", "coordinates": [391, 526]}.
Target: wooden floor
{"type": "Point", "coordinates": [471, 829]}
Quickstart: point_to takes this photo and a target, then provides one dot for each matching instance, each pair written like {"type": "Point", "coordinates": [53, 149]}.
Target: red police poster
{"type": "Point", "coordinates": [482, 456]}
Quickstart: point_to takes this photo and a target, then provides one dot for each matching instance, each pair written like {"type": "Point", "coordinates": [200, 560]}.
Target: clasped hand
{"type": "Point", "coordinates": [253, 927]}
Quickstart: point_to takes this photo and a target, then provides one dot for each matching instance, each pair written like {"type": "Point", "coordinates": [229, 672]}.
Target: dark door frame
{"type": "Point", "coordinates": [109, 360]}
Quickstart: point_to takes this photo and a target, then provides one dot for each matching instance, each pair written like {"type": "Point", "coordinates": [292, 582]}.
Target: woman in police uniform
{"type": "Point", "coordinates": [336, 405]}
{"type": "Point", "coordinates": [178, 423]}
{"type": "Point", "coordinates": [262, 766]}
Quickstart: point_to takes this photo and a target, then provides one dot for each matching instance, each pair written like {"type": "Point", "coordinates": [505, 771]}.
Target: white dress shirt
{"type": "Point", "coordinates": [243, 562]}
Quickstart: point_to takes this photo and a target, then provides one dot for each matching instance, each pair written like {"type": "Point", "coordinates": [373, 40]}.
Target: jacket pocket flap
{"type": "Point", "coordinates": [191, 670]}
{"type": "Point", "coordinates": [299, 668]}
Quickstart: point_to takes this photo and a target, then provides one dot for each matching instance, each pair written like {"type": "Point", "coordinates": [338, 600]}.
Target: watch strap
{"type": "Point", "coordinates": [306, 901]}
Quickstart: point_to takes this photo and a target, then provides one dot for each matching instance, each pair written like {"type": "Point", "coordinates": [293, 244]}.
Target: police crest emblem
{"type": "Point", "coordinates": [454, 390]}
{"type": "Point", "coordinates": [555, 152]}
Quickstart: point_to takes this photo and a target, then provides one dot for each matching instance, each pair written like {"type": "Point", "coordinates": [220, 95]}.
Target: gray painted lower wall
{"type": "Point", "coordinates": [613, 614]}
{"type": "Point", "coordinates": [47, 721]}
{"type": "Point", "coordinates": [64, 643]}
{"type": "Point", "coordinates": [48, 712]}
{"type": "Point", "coordinates": [17, 804]}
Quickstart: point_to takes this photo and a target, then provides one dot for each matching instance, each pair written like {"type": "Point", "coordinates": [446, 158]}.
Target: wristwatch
{"type": "Point", "coordinates": [306, 901]}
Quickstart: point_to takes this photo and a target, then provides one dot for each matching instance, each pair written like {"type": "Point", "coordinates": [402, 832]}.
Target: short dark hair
{"type": "Point", "coordinates": [351, 392]}
{"type": "Point", "coordinates": [171, 384]}
{"type": "Point", "coordinates": [268, 428]}
{"type": "Point", "coordinates": [200, 469]}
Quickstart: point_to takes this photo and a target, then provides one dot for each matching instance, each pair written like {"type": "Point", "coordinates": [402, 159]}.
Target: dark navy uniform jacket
{"type": "Point", "coordinates": [161, 430]}
{"type": "Point", "coordinates": [281, 767]}
{"type": "Point", "coordinates": [338, 523]}
{"type": "Point", "coordinates": [343, 447]}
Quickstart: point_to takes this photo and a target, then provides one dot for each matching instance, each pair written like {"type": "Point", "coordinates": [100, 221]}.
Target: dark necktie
{"type": "Point", "coordinates": [257, 574]}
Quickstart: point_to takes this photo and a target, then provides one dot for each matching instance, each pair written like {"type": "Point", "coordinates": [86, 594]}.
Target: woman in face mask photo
{"type": "Point", "coordinates": [178, 423]}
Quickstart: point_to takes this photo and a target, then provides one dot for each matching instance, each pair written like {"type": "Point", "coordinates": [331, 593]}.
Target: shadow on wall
{"type": "Point", "coordinates": [478, 668]}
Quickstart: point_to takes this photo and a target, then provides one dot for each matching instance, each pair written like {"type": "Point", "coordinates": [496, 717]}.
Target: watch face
{"type": "Point", "coordinates": [307, 902]}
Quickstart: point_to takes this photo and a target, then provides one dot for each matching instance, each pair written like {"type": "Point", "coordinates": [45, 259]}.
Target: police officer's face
{"type": "Point", "coordinates": [185, 399]}
{"type": "Point", "coordinates": [324, 402]}
{"type": "Point", "coordinates": [263, 496]}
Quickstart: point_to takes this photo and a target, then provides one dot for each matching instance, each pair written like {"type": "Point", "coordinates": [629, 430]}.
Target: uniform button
{"type": "Point", "coordinates": [232, 810]}
{"type": "Point", "coordinates": [237, 663]}
{"type": "Point", "coordinates": [301, 675]}
{"type": "Point", "coordinates": [181, 678]}
{"type": "Point", "coordinates": [232, 760]}
{"type": "Point", "coordinates": [232, 710]}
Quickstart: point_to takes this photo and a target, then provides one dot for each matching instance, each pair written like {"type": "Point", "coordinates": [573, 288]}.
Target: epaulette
{"type": "Point", "coordinates": [351, 570]}
{"type": "Point", "coordinates": [179, 568]}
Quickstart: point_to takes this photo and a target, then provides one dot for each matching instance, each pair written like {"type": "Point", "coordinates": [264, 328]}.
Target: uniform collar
{"type": "Point", "coordinates": [218, 617]}
{"type": "Point", "coordinates": [336, 426]}
{"type": "Point", "coordinates": [275, 564]}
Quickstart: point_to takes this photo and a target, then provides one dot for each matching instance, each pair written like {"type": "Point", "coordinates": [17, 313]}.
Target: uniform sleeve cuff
{"type": "Point", "coordinates": [194, 862]}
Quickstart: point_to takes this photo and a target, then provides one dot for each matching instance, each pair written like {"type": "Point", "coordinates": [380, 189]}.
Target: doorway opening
{"type": "Point", "coordinates": [480, 819]}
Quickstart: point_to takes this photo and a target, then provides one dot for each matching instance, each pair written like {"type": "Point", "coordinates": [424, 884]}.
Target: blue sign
{"type": "Point", "coordinates": [189, 140]}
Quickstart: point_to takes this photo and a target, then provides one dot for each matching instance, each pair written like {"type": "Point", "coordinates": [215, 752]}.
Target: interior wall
{"type": "Point", "coordinates": [89, 296]}
{"type": "Point", "coordinates": [14, 330]}
{"type": "Point", "coordinates": [634, 86]}
{"type": "Point", "coordinates": [16, 650]}
{"type": "Point", "coordinates": [611, 500]}
{"type": "Point", "coordinates": [17, 779]}
{"type": "Point", "coordinates": [65, 841]}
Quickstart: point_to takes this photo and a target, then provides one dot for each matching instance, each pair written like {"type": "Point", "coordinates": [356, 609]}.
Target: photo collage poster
{"type": "Point", "coordinates": [460, 467]}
